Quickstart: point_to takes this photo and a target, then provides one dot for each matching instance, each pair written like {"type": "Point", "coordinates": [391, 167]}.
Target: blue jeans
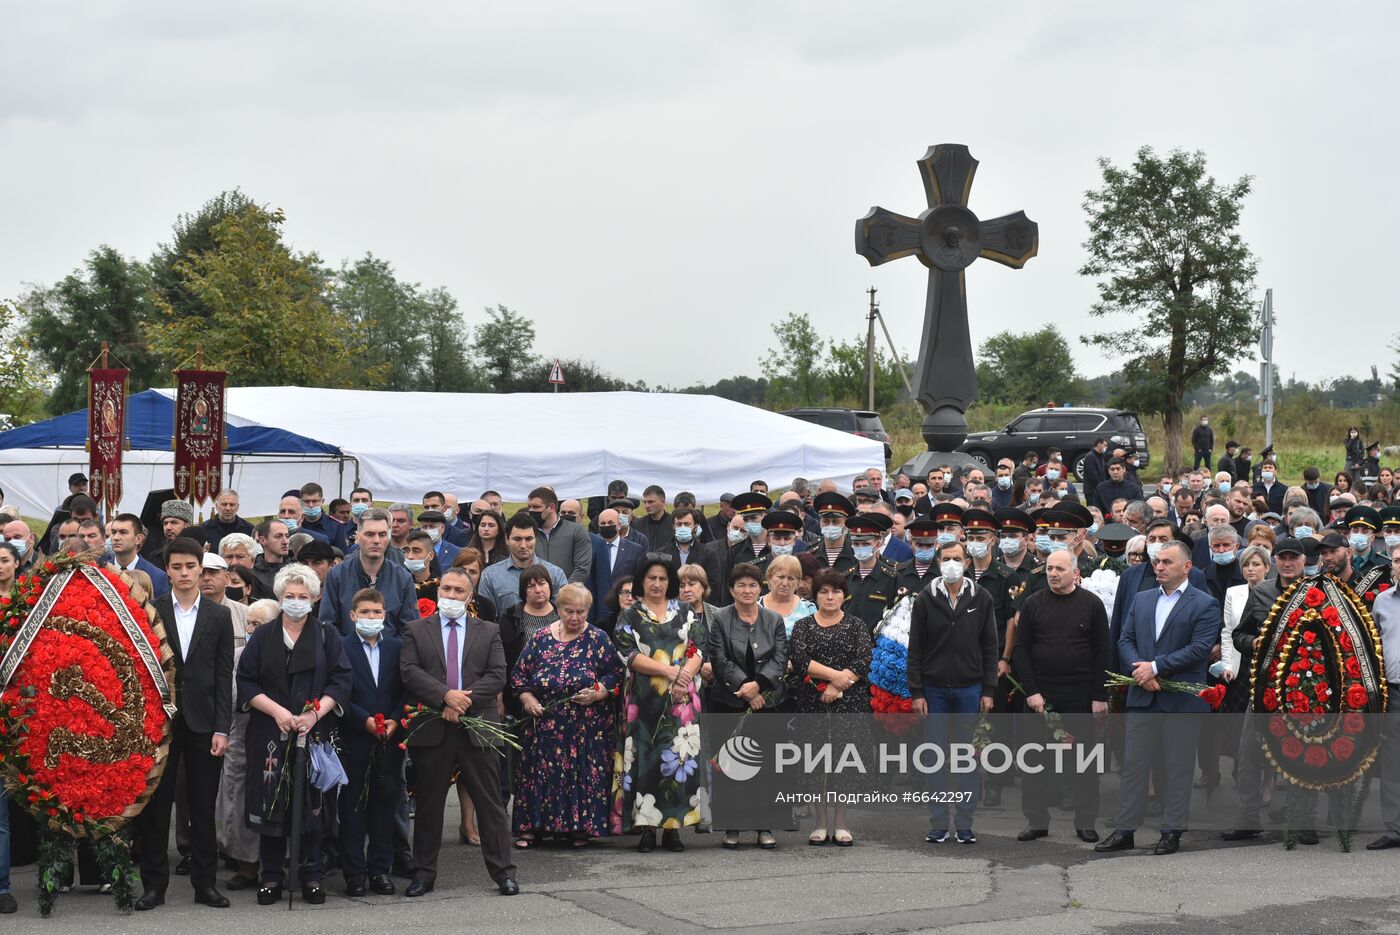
{"type": "Point", "coordinates": [4, 840]}
{"type": "Point", "coordinates": [964, 704]}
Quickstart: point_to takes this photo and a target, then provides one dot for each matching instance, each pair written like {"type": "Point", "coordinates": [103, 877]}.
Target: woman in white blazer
{"type": "Point", "coordinates": [1256, 565]}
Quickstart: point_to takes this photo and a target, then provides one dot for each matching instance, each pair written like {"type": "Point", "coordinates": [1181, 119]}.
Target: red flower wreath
{"type": "Point", "coordinates": [1315, 756]}
{"type": "Point", "coordinates": [1292, 748]}
{"type": "Point", "coordinates": [1357, 696]}
{"type": "Point", "coordinates": [1353, 723]}
{"type": "Point", "coordinates": [1343, 748]}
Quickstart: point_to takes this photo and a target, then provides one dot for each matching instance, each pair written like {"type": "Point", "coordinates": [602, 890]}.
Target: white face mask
{"type": "Point", "coordinates": [296, 608]}
{"type": "Point", "coordinates": [952, 572]}
{"type": "Point", "coordinates": [451, 609]}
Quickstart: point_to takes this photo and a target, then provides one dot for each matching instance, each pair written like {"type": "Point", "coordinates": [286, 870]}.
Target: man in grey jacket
{"type": "Point", "coordinates": [561, 542]}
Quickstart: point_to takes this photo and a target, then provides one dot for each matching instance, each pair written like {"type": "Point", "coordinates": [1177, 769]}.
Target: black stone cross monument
{"type": "Point", "coordinates": [946, 238]}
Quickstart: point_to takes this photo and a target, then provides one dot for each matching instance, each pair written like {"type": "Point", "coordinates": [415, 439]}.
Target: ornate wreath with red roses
{"type": "Point", "coordinates": [85, 708]}
{"type": "Point", "coordinates": [1318, 673]}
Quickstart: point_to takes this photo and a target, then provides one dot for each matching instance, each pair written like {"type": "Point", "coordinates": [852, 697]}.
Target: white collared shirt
{"type": "Point", "coordinates": [372, 655]}
{"type": "Point", "coordinates": [1165, 602]}
{"type": "Point", "coordinates": [184, 623]}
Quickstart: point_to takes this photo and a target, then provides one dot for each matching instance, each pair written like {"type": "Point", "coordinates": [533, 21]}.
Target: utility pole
{"type": "Point", "coordinates": [870, 350]}
{"type": "Point", "coordinates": [1266, 368]}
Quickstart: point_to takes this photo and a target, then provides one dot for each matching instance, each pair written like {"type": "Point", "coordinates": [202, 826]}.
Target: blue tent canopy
{"type": "Point", "coordinates": [150, 417]}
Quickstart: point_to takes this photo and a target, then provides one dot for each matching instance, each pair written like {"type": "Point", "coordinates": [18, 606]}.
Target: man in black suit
{"type": "Point", "coordinates": [200, 634]}
{"type": "Point", "coordinates": [687, 523]}
{"type": "Point", "coordinates": [466, 685]}
{"type": "Point", "coordinates": [613, 557]}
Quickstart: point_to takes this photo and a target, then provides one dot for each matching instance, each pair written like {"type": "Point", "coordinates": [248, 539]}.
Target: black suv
{"type": "Point", "coordinates": [856, 421]}
{"type": "Point", "coordinates": [1071, 430]}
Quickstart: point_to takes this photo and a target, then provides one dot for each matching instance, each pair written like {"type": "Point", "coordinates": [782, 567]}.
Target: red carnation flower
{"type": "Point", "coordinates": [1357, 696]}
{"type": "Point", "coordinates": [1270, 700]}
{"type": "Point", "coordinates": [1213, 696]}
{"type": "Point", "coordinates": [1314, 597]}
{"type": "Point", "coordinates": [1353, 668]}
{"type": "Point", "coordinates": [1353, 723]}
{"type": "Point", "coordinates": [1277, 727]}
{"type": "Point", "coordinates": [1292, 748]}
{"type": "Point", "coordinates": [426, 608]}
{"type": "Point", "coordinates": [1315, 756]}
{"type": "Point", "coordinates": [1343, 748]}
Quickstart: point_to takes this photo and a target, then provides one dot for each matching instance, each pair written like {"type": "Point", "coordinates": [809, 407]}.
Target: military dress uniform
{"type": "Point", "coordinates": [845, 562]}
{"type": "Point", "coordinates": [753, 507]}
{"type": "Point", "coordinates": [870, 596]}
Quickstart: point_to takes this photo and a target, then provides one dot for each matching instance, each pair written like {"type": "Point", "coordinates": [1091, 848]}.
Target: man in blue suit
{"type": "Point", "coordinates": [613, 557]}
{"type": "Point", "coordinates": [377, 690]}
{"type": "Point", "coordinates": [1139, 578]}
{"type": "Point", "coordinates": [1167, 634]}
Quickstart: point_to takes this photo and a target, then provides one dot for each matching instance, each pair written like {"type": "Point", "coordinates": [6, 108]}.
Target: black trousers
{"type": "Point", "coordinates": [202, 770]}
{"type": "Point", "coordinates": [374, 821]}
{"type": "Point", "coordinates": [481, 774]}
{"type": "Point", "coordinates": [1074, 706]}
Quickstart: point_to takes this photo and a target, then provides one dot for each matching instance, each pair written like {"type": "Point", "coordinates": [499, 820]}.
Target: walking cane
{"type": "Point", "coordinates": [298, 805]}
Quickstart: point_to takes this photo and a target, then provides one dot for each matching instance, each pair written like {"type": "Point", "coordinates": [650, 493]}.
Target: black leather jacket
{"type": "Point", "coordinates": [730, 640]}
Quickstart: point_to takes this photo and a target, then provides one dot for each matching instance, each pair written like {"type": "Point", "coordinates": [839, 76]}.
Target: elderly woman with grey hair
{"type": "Point", "coordinates": [292, 678]}
{"type": "Point", "coordinates": [236, 839]}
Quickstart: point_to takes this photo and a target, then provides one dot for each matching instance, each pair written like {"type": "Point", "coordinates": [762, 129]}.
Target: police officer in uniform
{"type": "Point", "coordinates": [873, 584]}
{"type": "Point", "coordinates": [1014, 542]}
{"type": "Point", "coordinates": [1370, 564]}
{"type": "Point", "coordinates": [1113, 542]}
{"type": "Point", "coordinates": [834, 550]}
{"type": "Point", "coordinates": [783, 527]}
{"type": "Point", "coordinates": [752, 507]}
{"type": "Point", "coordinates": [919, 572]}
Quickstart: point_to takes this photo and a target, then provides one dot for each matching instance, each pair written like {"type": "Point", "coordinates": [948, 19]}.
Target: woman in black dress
{"type": "Point", "coordinates": [830, 656]}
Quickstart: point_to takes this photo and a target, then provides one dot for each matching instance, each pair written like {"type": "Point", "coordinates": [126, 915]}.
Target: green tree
{"type": "Point", "coordinates": [445, 365]}
{"type": "Point", "coordinates": [268, 321]}
{"type": "Point", "coordinates": [1027, 369]}
{"type": "Point", "coordinates": [794, 366]}
{"type": "Point", "coordinates": [741, 389]}
{"type": "Point", "coordinates": [384, 310]}
{"type": "Point", "coordinates": [193, 237]}
{"type": "Point", "coordinates": [108, 299]}
{"type": "Point", "coordinates": [24, 382]}
{"type": "Point", "coordinates": [1164, 242]}
{"type": "Point", "coordinates": [505, 345]}
{"type": "Point", "coordinates": [845, 377]}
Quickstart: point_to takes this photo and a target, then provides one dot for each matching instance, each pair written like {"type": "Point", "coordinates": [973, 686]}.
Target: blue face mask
{"type": "Point", "coordinates": [1302, 532]}
{"type": "Point", "coordinates": [684, 534]}
{"type": "Point", "coordinates": [978, 549]}
{"type": "Point", "coordinates": [735, 536]}
{"type": "Point", "coordinates": [1042, 543]}
{"type": "Point", "coordinates": [1033, 498]}
{"type": "Point", "coordinates": [1360, 542]}
{"type": "Point", "coordinates": [863, 552]}
{"type": "Point", "coordinates": [924, 556]}
{"type": "Point", "coordinates": [1391, 541]}
{"type": "Point", "coordinates": [312, 513]}
{"type": "Point", "coordinates": [1093, 528]}
{"type": "Point", "coordinates": [1052, 474]}
{"type": "Point", "coordinates": [1313, 485]}
{"type": "Point", "coordinates": [1004, 482]}
{"type": "Point", "coordinates": [947, 538]}
{"type": "Point", "coordinates": [415, 565]}
{"type": "Point", "coordinates": [1222, 558]}
{"type": "Point", "coordinates": [781, 549]}
{"type": "Point", "coordinates": [1056, 545]}
{"type": "Point", "coordinates": [291, 525]}
{"type": "Point", "coordinates": [753, 529]}
{"type": "Point", "coordinates": [369, 628]}
{"type": "Point", "coordinates": [832, 532]}
{"type": "Point", "coordinates": [1224, 486]}
{"type": "Point", "coordinates": [1266, 476]}
{"type": "Point", "coordinates": [1009, 546]}
{"type": "Point", "coordinates": [358, 509]}
{"type": "Point", "coordinates": [21, 546]}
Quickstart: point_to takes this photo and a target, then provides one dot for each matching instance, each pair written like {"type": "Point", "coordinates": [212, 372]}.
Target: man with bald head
{"type": "Point", "coordinates": [614, 555]}
{"type": "Point", "coordinates": [1062, 649]}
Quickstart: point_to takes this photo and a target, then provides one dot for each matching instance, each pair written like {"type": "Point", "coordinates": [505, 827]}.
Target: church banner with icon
{"type": "Point", "coordinates": [106, 435]}
{"type": "Point", "coordinates": [199, 434]}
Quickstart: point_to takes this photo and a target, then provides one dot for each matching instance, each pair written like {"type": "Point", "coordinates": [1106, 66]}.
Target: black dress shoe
{"type": "Point", "coordinates": [8, 904]}
{"type": "Point", "coordinates": [211, 897]}
{"type": "Point", "coordinates": [647, 843]}
{"type": "Point", "coordinates": [1308, 837]}
{"type": "Point", "coordinates": [1117, 841]}
{"type": "Point", "coordinates": [1240, 834]}
{"type": "Point", "coordinates": [1169, 843]}
{"type": "Point", "coordinates": [1087, 835]}
{"type": "Point", "coordinates": [671, 840]}
{"type": "Point", "coordinates": [355, 888]}
{"type": "Point", "coordinates": [1031, 834]}
{"type": "Point", "coordinates": [381, 884]}
{"type": "Point", "coordinates": [418, 888]}
{"type": "Point", "coordinates": [315, 893]}
{"type": "Point", "coordinates": [270, 894]}
{"type": "Point", "coordinates": [508, 887]}
{"type": "Point", "coordinates": [1384, 842]}
{"type": "Point", "coordinates": [183, 867]}
{"type": "Point", "coordinates": [150, 899]}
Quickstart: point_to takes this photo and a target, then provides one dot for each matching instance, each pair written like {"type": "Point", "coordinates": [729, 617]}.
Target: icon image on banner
{"type": "Point", "coordinates": [740, 758]}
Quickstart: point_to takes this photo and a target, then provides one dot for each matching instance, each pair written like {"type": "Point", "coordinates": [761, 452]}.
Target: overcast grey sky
{"type": "Point", "coordinates": [648, 178]}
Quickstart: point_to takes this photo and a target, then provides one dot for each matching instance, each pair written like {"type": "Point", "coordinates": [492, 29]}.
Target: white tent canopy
{"type": "Point", "coordinates": [402, 444]}
{"type": "Point", "coordinates": [464, 443]}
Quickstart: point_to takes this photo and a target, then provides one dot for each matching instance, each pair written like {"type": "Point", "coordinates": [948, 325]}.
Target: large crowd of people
{"type": "Point", "coordinates": [594, 633]}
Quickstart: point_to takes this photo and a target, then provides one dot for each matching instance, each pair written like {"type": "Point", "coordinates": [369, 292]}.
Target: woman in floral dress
{"type": "Point", "coordinates": [563, 773]}
{"type": "Point", "coordinates": [657, 778]}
